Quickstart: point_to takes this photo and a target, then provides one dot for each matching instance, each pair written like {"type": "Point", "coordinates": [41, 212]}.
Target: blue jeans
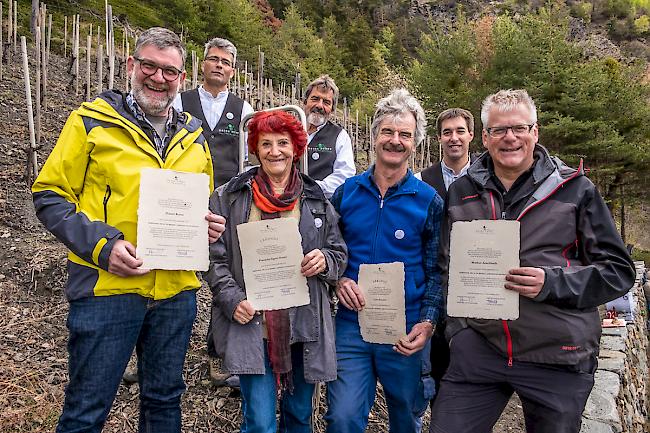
{"type": "Point", "coordinates": [259, 396]}
{"type": "Point", "coordinates": [103, 332]}
{"type": "Point", "coordinates": [359, 364]}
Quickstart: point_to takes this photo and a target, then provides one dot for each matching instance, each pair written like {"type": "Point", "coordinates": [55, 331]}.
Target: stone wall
{"type": "Point", "coordinates": [619, 400]}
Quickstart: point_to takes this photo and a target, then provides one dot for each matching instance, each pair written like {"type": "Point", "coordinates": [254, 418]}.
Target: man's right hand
{"type": "Point", "coordinates": [122, 261]}
{"type": "Point", "coordinates": [244, 312]}
{"type": "Point", "coordinates": [349, 294]}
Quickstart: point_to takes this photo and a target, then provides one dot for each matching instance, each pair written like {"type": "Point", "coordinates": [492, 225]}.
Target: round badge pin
{"type": "Point", "coordinates": [315, 156]}
{"type": "Point", "coordinates": [399, 234]}
{"type": "Point", "coordinates": [318, 223]}
{"type": "Point", "coordinates": [230, 116]}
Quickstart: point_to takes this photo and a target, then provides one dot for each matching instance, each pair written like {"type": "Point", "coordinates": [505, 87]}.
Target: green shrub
{"type": "Point", "coordinates": [641, 25]}
{"type": "Point", "coordinates": [639, 254]}
{"type": "Point", "coordinates": [620, 8]}
{"type": "Point", "coordinates": [582, 10]}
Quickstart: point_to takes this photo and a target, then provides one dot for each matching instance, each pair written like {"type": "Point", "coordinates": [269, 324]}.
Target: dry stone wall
{"type": "Point", "coordinates": [619, 400]}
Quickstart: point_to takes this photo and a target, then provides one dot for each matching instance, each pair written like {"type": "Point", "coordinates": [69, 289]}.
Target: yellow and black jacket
{"type": "Point", "coordinates": [87, 193]}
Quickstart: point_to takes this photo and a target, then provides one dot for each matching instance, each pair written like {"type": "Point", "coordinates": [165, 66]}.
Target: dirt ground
{"type": "Point", "coordinates": [33, 336]}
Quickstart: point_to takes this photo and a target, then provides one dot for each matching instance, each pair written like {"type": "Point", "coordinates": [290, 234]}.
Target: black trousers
{"type": "Point", "coordinates": [479, 383]}
{"type": "Point", "coordinates": [439, 355]}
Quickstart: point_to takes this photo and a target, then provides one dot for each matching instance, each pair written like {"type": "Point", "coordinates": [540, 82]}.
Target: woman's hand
{"type": "Point", "coordinates": [244, 312]}
{"type": "Point", "coordinates": [313, 264]}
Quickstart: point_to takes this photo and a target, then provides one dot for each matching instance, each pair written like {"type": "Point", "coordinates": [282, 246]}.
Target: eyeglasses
{"type": "Point", "coordinates": [403, 135]}
{"type": "Point", "coordinates": [149, 68]}
{"type": "Point", "coordinates": [216, 59]}
{"type": "Point", "coordinates": [517, 130]}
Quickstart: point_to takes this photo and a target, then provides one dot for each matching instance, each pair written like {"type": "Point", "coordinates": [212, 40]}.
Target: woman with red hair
{"type": "Point", "coordinates": [280, 353]}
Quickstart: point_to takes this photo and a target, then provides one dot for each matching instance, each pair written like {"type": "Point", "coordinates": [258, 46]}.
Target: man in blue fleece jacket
{"type": "Point", "coordinates": [387, 215]}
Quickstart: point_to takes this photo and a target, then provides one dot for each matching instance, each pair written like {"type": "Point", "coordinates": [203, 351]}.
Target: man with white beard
{"type": "Point", "coordinates": [330, 149]}
{"type": "Point", "coordinates": [87, 196]}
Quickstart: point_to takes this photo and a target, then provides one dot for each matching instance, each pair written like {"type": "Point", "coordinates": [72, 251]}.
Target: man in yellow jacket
{"type": "Point", "coordinates": [87, 196]}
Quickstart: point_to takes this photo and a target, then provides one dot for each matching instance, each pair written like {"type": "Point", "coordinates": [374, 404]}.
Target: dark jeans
{"type": "Point", "coordinates": [103, 332]}
{"type": "Point", "coordinates": [479, 383]}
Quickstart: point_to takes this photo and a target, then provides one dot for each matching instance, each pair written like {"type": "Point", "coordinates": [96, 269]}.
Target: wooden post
{"type": "Point", "coordinates": [15, 20]}
{"type": "Point", "coordinates": [372, 142]}
{"type": "Point", "coordinates": [260, 84]}
{"type": "Point", "coordinates": [1, 44]}
{"type": "Point", "coordinates": [37, 55]}
{"type": "Point", "coordinates": [126, 72]}
{"type": "Point", "coordinates": [43, 57]}
{"type": "Point", "coordinates": [88, 47]}
{"type": "Point", "coordinates": [111, 48]}
{"type": "Point", "coordinates": [76, 56]}
{"type": "Point", "coordinates": [106, 32]}
{"type": "Point", "coordinates": [32, 163]}
{"type": "Point", "coordinates": [246, 80]}
{"type": "Point", "coordinates": [65, 36]}
{"type": "Point", "coordinates": [123, 52]}
{"type": "Point", "coordinates": [194, 71]}
{"type": "Point", "coordinates": [100, 67]}
{"type": "Point", "coordinates": [356, 133]}
{"type": "Point", "coordinates": [10, 29]}
{"type": "Point", "coordinates": [49, 38]}
{"type": "Point", "coordinates": [34, 17]}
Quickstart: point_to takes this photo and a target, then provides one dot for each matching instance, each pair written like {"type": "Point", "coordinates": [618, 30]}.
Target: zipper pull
{"type": "Point", "coordinates": [381, 203]}
{"type": "Point", "coordinates": [503, 215]}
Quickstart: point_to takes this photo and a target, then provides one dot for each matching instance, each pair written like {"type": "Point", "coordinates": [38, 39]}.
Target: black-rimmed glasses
{"type": "Point", "coordinates": [517, 130]}
{"type": "Point", "coordinates": [149, 68]}
{"type": "Point", "coordinates": [216, 59]}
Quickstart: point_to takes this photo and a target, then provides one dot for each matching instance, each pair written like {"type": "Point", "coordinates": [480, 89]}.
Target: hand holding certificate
{"type": "Point", "coordinates": [271, 253]}
{"type": "Point", "coordinates": [172, 229]}
{"type": "Point", "coordinates": [481, 254]}
{"type": "Point", "coordinates": [383, 319]}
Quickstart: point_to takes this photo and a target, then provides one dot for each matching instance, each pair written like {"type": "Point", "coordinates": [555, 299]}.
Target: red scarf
{"type": "Point", "coordinates": [277, 321]}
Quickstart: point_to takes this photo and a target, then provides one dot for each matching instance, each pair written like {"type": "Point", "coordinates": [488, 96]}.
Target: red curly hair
{"type": "Point", "coordinates": [277, 122]}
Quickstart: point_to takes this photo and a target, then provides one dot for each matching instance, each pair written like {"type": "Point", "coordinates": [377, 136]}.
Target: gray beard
{"type": "Point", "coordinates": [152, 106]}
{"type": "Point", "coordinates": [316, 119]}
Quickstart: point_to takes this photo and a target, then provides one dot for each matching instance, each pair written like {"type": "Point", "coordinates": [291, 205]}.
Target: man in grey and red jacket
{"type": "Point", "coordinates": [571, 260]}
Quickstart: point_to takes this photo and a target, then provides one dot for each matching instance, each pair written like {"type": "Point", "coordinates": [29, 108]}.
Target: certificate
{"type": "Point", "coordinates": [383, 319]}
{"type": "Point", "coordinates": [172, 229]}
{"type": "Point", "coordinates": [271, 254]}
{"type": "Point", "coordinates": [481, 254]}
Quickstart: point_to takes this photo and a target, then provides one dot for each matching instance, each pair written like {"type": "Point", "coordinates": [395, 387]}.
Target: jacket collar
{"type": "Point", "coordinates": [546, 165]}
{"type": "Point", "coordinates": [311, 189]}
{"type": "Point", "coordinates": [409, 184]}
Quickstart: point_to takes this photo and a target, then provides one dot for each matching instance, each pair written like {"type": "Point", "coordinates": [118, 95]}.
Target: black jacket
{"type": "Point", "coordinates": [567, 230]}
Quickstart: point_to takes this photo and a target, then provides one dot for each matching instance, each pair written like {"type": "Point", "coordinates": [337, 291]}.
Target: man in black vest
{"type": "Point", "coordinates": [330, 149]}
{"type": "Point", "coordinates": [455, 129]}
{"type": "Point", "coordinates": [220, 110]}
